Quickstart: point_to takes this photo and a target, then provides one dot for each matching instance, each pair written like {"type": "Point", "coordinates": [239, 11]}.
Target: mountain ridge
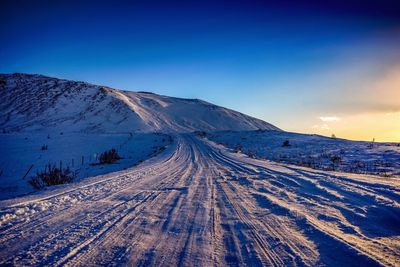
{"type": "Point", "coordinates": [34, 102]}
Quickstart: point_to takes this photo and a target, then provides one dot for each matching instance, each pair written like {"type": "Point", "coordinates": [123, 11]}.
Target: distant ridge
{"type": "Point", "coordinates": [32, 102]}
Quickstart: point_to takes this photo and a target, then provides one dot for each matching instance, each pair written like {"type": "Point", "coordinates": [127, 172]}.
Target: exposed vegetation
{"type": "Point", "coordinates": [238, 149]}
{"type": "Point", "coordinates": [52, 175]}
{"type": "Point", "coordinates": [286, 143]}
{"type": "Point", "coordinates": [317, 152]}
{"type": "Point", "coordinates": [201, 134]}
{"type": "Point", "coordinates": [109, 156]}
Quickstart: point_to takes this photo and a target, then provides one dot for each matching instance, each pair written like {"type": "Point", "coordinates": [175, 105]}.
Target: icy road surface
{"type": "Point", "coordinates": [197, 204]}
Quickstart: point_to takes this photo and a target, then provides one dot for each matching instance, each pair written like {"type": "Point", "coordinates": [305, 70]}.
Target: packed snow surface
{"type": "Point", "coordinates": [196, 203]}
{"type": "Point", "coordinates": [184, 200]}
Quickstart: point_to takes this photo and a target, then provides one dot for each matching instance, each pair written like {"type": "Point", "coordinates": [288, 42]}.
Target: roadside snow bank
{"type": "Point", "coordinates": [24, 154]}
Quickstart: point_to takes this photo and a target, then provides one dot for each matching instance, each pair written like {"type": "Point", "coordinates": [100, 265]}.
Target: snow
{"type": "Point", "coordinates": [197, 203]}
{"type": "Point", "coordinates": [315, 151]}
{"type": "Point", "coordinates": [40, 103]}
{"type": "Point", "coordinates": [194, 203]}
{"type": "Point", "coordinates": [21, 150]}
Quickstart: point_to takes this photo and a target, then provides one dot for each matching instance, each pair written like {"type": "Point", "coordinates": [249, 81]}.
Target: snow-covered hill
{"type": "Point", "coordinates": [315, 151]}
{"type": "Point", "coordinates": [188, 201]}
{"type": "Point", "coordinates": [36, 102]}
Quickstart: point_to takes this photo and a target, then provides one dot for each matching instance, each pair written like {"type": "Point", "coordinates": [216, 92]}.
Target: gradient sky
{"type": "Point", "coordinates": [307, 66]}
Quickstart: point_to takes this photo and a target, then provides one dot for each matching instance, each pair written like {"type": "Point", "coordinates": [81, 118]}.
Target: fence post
{"type": "Point", "coordinates": [30, 168]}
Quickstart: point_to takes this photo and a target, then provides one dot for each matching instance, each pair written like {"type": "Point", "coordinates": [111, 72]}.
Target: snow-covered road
{"type": "Point", "coordinates": [198, 204]}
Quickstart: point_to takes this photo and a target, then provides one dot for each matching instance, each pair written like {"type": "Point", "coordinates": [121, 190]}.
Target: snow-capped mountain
{"type": "Point", "coordinates": [36, 102]}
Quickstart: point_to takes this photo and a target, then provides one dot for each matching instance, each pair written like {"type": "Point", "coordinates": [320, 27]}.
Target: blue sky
{"type": "Point", "coordinates": [288, 62]}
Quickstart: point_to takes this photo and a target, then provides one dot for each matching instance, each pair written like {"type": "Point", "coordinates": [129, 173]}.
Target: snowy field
{"type": "Point", "coordinates": [315, 201]}
{"type": "Point", "coordinates": [22, 152]}
{"type": "Point", "coordinates": [199, 204]}
{"type": "Point", "coordinates": [315, 151]}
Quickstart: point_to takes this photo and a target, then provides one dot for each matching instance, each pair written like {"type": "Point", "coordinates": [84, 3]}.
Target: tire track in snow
{"type": "Point", "coordinates": [201, 205]}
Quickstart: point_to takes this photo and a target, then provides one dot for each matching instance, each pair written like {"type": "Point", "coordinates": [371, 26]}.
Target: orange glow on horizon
{"type": "Point", "coordinates": [365, 127]}
{"type": "Point", "coordinates": [375, 114]}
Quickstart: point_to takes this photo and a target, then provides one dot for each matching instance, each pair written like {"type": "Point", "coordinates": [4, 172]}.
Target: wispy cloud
{"type": "Point", "coordinates": [393, 113]}
{"type": "Point", "coordinates": [329, 118]}
{"type": "Point", "coordinates": [321, 126]}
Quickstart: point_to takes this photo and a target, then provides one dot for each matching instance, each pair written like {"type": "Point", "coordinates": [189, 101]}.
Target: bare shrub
{"type": "Point", "coordinates": [286, 143]}
{"type": "Point", "coordinates": [336, 160]}
{"type": "Point", "coordinates": [51, 175]}
{"type": "Point", "coordinates": [109, 156]}
{"type": "Point", "coordinates": [201, 134]}
{"type": "Point", "coordinates": [238, 149]}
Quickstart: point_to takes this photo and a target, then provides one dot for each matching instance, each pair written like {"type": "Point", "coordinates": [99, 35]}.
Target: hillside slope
{"type": "Point", "coordinates": [36, 102]}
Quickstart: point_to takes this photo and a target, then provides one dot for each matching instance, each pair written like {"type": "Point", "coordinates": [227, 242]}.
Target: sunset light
{"type": "Point", "coordinates": [205, 133]}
